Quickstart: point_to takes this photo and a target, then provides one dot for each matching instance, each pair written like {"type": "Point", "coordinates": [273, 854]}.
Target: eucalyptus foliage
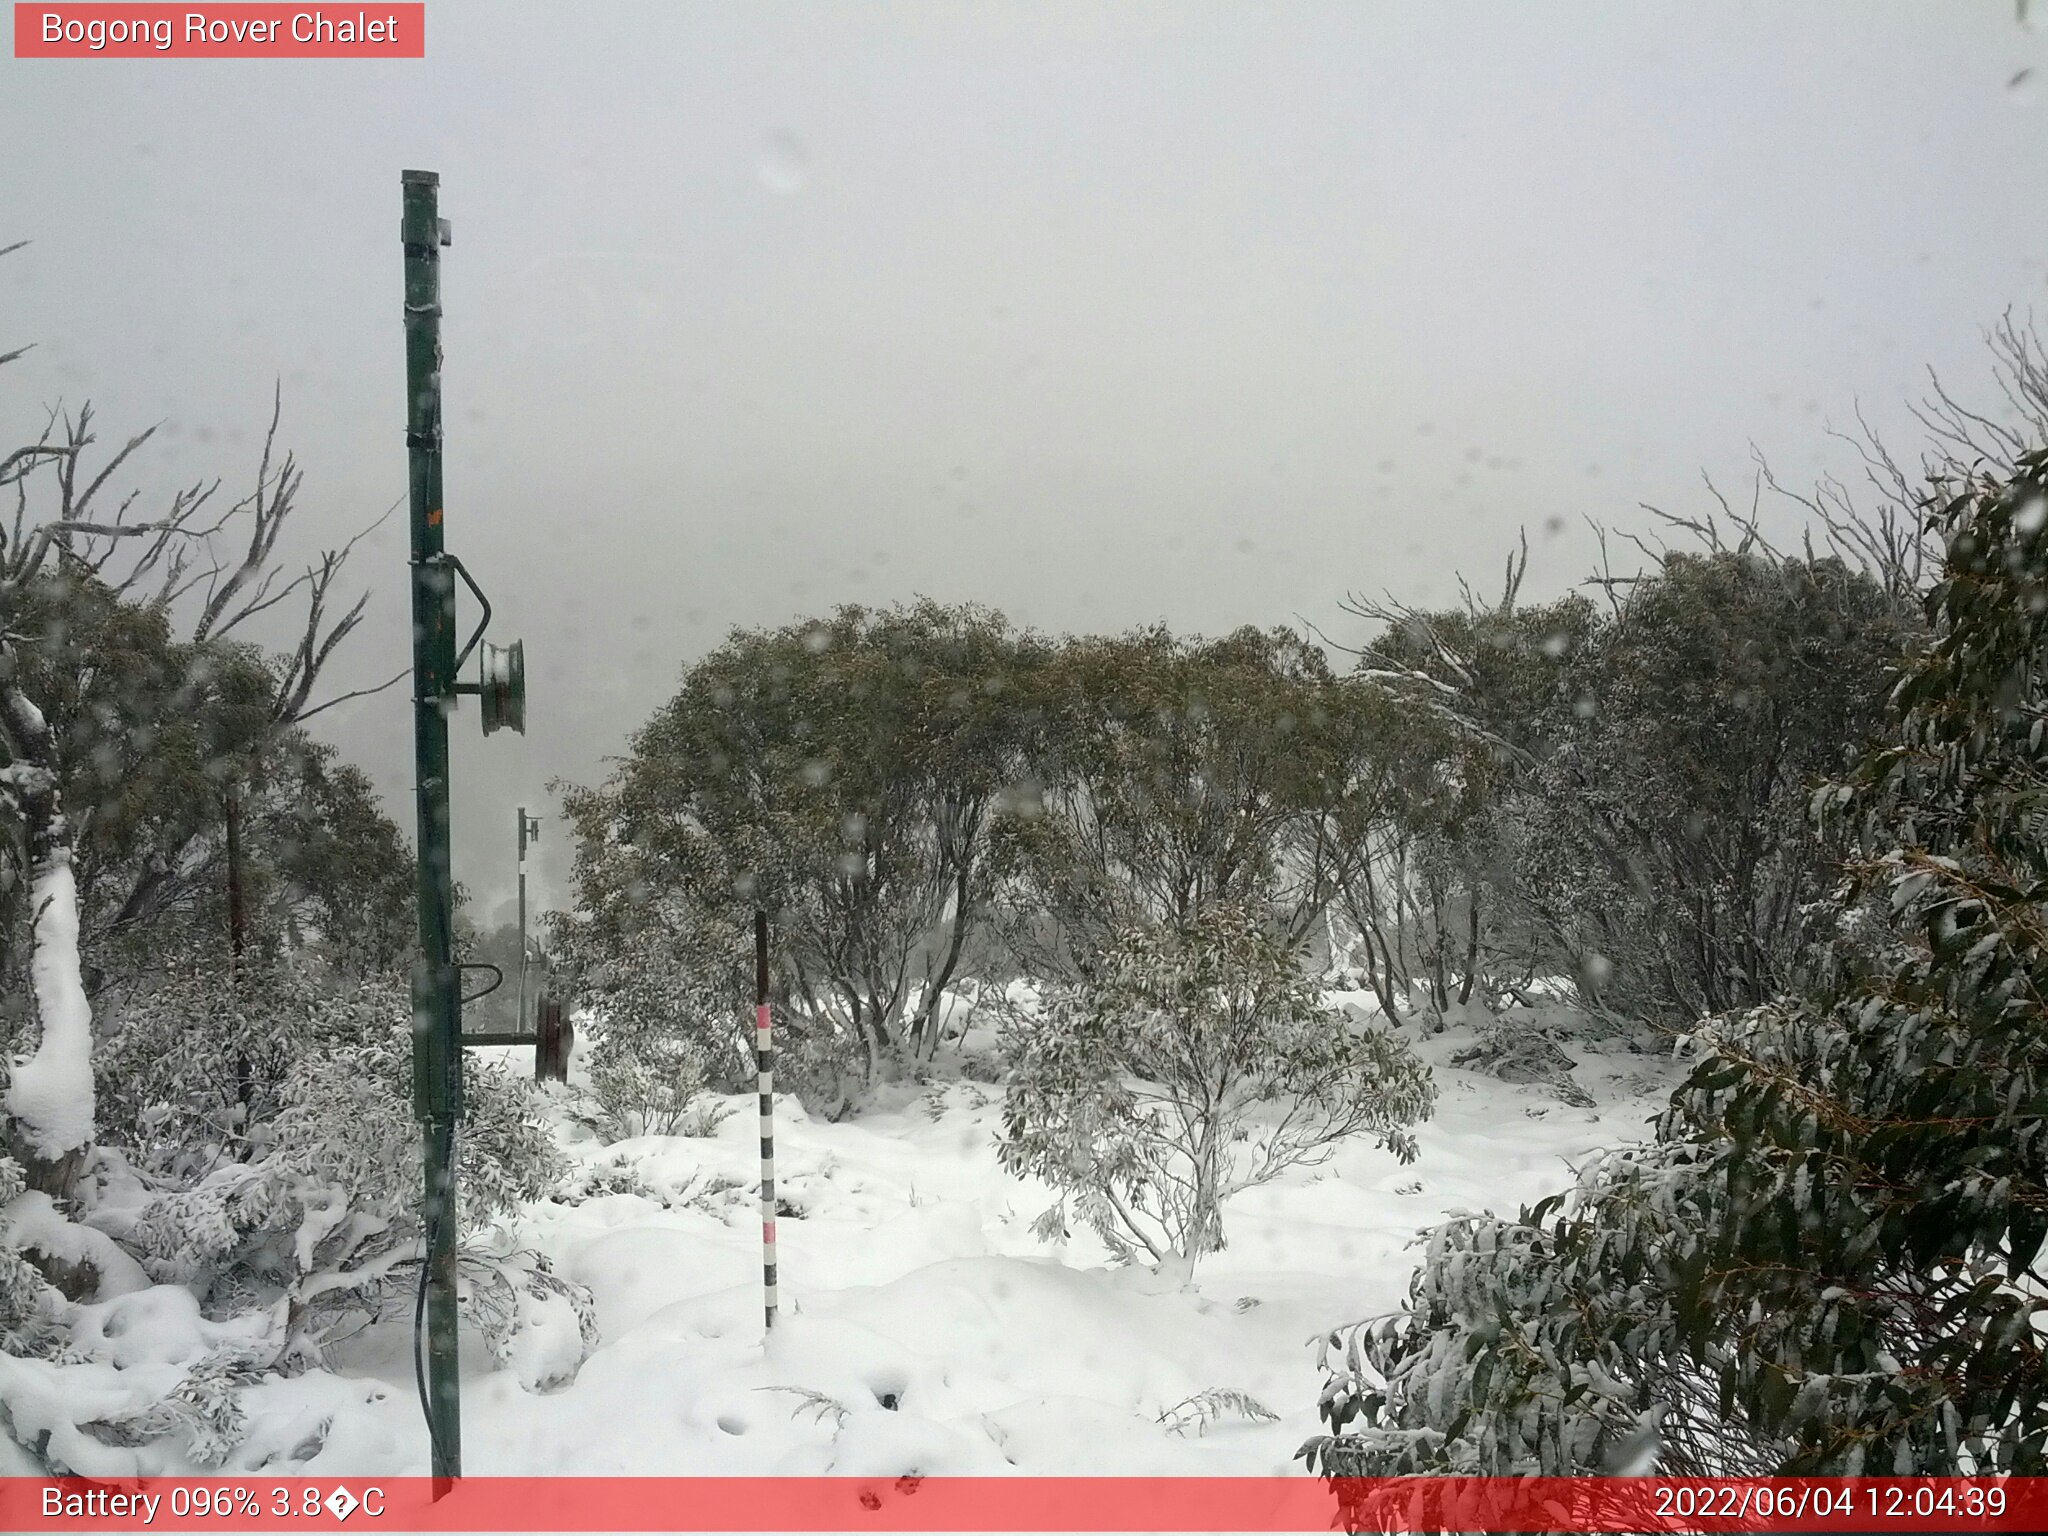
{"type": "Point", "coordinates": [841, 774]}
{"type": "Point", "coordinates": [1192, 1063]}
{"type": "Point", "coordinates": [1830, 1258]}
{"type": "Point", "coordinates": [1173, 773]}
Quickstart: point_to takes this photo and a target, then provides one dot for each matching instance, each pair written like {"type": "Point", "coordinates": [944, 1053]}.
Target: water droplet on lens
{"type": "Point", "coordinates": [784, 165]}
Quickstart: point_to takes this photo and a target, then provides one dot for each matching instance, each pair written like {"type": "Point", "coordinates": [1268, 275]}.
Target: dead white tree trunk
{"type": "Point", "coordinates": [49, 1097]}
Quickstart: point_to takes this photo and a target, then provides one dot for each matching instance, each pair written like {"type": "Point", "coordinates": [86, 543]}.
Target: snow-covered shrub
{"type": "Point", "coordinates": [1190, 1065]}
{"type": "Point", "coordinates": [594, 1181]}
{"type": "Point", "coordinates": [1541, 1344]}
{"type": "Point", "coordinates": [537, 1324]}
{"type": "Point", "coordinates": [643, 1081]}
{"type": "Point", "coordinates": [195, 1066]}
{"type": "Point", "coordinates": [260, 1196]}
{"type": "Point", "coordinates": [1520, 1049]}
{"type": "Point", "coordinates": [704, 1117]}
{"type": "Point", "coordinates": [623, 1174]}
{"type": "Point", "coordinates": [311, 1201]}
{"type": "Point", "coordinates": [819, 1063]}
{"type": "Point", "coordinates": [26, 1327]}
{"type": "Point", "coordinates": [667, 1020]}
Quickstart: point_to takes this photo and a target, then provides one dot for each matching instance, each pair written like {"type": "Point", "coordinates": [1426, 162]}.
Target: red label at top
{"type": "Point", "coordinates": [247, 31]}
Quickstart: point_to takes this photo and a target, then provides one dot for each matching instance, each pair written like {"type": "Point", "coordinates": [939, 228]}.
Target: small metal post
{"type": "Point", "coordinates": [529, 826]}
{"type": "Point", "coordinates": [553, 1046]}
{"type": "Point", "coordinates": [764, 1064]}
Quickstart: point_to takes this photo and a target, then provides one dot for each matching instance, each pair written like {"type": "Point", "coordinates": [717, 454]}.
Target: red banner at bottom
{"type": "Point", "coordinates": [1190, 1504]}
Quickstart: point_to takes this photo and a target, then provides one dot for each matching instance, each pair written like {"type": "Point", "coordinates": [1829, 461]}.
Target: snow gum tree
{"type": "Point", "coordinates": [659, 950]}
{"type": "Point", "coordinates": [89, 590]}
{"type": "Point", "coordinates": [1171, 775]}
{"type": "Point", "coordinates": [672, 1017]}
{"type": "Point", "coordinates": [49, 1098]}
{"type": "Point", "coordinates": [1624, 793]}
{"type": "Point", "coordinates": [844, 774]}
{"type": "Point", "coordinates": [146, 726]}
{"type": "Point", "coordinates": [1830, 1258]}
{"type": "Point", "coordinates": [1476, 694]}
{"type": "Point", "coordinates": [1666, 831]}
{"type": "Point", "coordinates": [133, 718]}
{"type": "Point", "coordinates": [1194, 1062]}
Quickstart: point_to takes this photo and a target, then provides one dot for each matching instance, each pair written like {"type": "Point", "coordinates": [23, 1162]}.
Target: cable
{"type": "Point", "coordinates": [419, 1311]}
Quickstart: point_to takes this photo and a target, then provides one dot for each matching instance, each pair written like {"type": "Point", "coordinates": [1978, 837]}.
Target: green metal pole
{"type": "Point", "coordinates": [437, 1007]}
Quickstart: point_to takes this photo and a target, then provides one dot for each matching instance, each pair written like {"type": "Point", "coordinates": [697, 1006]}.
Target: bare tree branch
{"type": "Point", "coordinates": [359, 693]}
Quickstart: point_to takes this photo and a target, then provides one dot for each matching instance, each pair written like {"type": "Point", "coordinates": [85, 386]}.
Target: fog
{"type": "Point", "coordinates": [1101, 314]}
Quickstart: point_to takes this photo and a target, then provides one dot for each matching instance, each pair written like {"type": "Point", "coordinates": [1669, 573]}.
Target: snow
{"type": "Point", "coordinates": [549, 1345]}
{"type": "Point", "coordinates": [51, 1093]}
{"type": "Point", "coordinates": [159, 1325]}
{"type": "Point", "coordinates": [32, 1223]}
{"type": "Point", "coordinates": [45, 1398]}
{"type": "Point", "coordinates": [633, 1273]}
{"type": "Point", "coordinates": [925, 1329]}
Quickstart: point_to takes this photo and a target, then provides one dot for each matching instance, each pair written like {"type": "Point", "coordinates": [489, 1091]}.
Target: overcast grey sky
{"type": "Point", "coordinates": [1101, 313]}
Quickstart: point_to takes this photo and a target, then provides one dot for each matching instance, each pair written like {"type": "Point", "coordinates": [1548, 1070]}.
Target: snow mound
{"type": "Point", "coordinates": [635, 1273]}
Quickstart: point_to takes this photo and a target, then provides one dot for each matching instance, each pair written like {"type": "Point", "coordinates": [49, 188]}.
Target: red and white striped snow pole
{"type": "Point", "coordinates": [764, 1065]}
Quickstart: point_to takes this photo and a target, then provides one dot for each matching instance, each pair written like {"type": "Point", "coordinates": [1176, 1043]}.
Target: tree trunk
{"type": "Point", "coordinates": [49, 1101]}
{"type": "Point", "coordinates": [936, 982]}
{"type": "Point", "coordinates": [1439, 973]}
{"type": "Point", "coordinates": [1205, 1226]}
{"type": "Point", "coordinates": [236, 930]}
{"type": "Point", "coordinates": [1342, 954]}
{"type": "Point", "coordinates": [245, 1076]}
{"type": "Point", "coordinates": [1471, 949]}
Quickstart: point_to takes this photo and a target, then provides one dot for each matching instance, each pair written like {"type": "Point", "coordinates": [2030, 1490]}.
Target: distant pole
{"type": "Point", "coordinates": [522, 917]}
{"type": "Point", "coordinates": [764, 1064]}
{"type": "Point", "coordinates": [436, 994]}
{"type": "Point", "coordinates": [529, 826]}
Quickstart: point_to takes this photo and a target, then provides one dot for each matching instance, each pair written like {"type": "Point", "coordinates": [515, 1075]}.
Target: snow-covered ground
{"type": "Point", "coordinates": [924, 1328]}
